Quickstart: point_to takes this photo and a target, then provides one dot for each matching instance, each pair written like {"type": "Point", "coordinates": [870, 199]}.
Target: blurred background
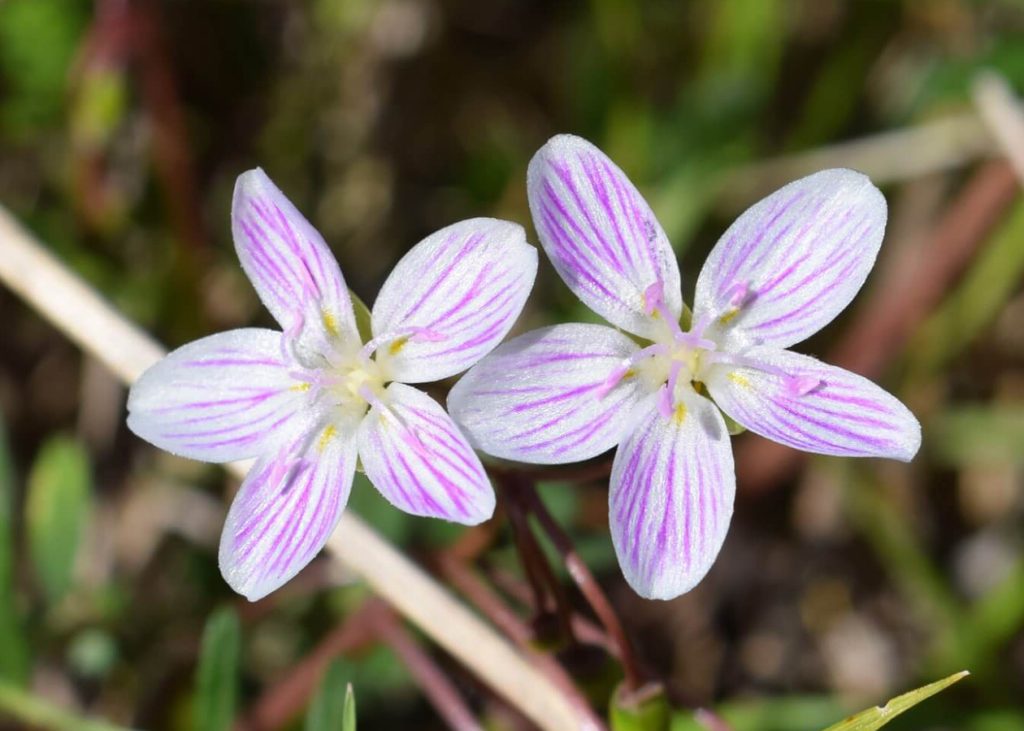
{"type": "Point", "coordinates": [123, 125]}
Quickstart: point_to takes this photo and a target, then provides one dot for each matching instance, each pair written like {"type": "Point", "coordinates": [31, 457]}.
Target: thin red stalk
{"type": "Point", "coordinates": [440, 691]}
{"type": "Point", "coordinates": [587, 584]}
{"type": "Point", "coordinates": [171, 152]}
{"type": "Point", "coordinates": [487, 601]}
{"type": "Point", "coordinates": [538, 570]}
{"type": "Point", "coordinates": [583, 629]}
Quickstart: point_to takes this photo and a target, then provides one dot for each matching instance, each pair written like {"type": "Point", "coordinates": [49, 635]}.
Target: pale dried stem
{"type": "Point", "coordinates": [1001, 111]}
{"type": "Point", "coordinates": [81, 314]}
{"type": "Point", "coordinates": [887, 157]}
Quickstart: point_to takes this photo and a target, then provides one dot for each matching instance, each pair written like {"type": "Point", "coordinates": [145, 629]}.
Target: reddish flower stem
{"type": "Point", "coordinates": [438, 688]}
{"type": "Point", "coordinates": [584, 580]}
{"type": "Point", "coordinates": [484, 598]}
{"type": "Point", "coordinates": [539, 573]}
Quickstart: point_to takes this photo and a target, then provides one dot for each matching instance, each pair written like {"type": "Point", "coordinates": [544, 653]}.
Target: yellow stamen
{"type": "Point", "coordinates": [739, 379]}
{"type": "Point", "coordinates": [729, 316]}
{"type": "Point", "coordinates": [397, 345]}
{"type": "Point", "coordinates": [680, 414]}
{"type": "Point", "coordinates": [300, 387]}
{"type": "Point", "coordinates": [328, 434]}
{"type": "Point", "coordinates": [330, 323]}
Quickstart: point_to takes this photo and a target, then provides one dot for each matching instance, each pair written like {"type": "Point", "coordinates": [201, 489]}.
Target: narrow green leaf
{"type": "Point", "coordinates": [333, 703]}
{"type": "Point", "coordinates": [363, 317]}
{"type": "Point", "coordinates": [348, 715]}
{"type": "Point", "coordinates": [874, 718]}
{"type": "Point", "coordinates": [217, 680]}
{"type": "Point", "coordinates": [57, 508]}
{"type": "Point", "coordinates": [14, 657]}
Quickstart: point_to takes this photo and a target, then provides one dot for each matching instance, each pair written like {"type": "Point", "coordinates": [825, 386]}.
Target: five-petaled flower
{"type": "Point", "coordinates": [309, 401]}
{"type": "Point", "coordinates": [783, 270]}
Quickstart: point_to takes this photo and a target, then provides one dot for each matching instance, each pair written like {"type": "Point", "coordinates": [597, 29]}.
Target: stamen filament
{"type": "Point", "coordinates": [617, 375]}
{"type": "Point", "coordinates": [413, 333]}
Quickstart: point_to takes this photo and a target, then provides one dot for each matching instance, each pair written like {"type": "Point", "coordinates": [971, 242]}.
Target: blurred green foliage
{"type": "Point", "coordinates": [15, 655]}
{"type": "Point", "coordinates": [334, 705]}
{"type": "Point", "coordinates": [217, 677]}
{"type": "Point", "coordinates": [57, 509]}
{"type": "Point", "coordinates": [38, 39]}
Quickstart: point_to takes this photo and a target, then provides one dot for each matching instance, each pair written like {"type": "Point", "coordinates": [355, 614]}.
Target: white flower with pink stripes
{"type": "Point", "coordinates": [783, 270]}
{"type": "Point", "coordinates": [311, 400]}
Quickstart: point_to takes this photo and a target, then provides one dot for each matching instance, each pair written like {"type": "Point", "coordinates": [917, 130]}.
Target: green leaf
{"type": "Point", "coordinates": [14, 658]}
{"type": "Point", "coordinates": [874, 718]}
{"type": "Point", "coordinates": [348, 715]}
{"type": "Point", "coordinates": [217, 680]}
{"type": "Point", "coordinates": [334, 702]}
{"type": "Point", "coordinates": [363, 317]}
{"type": "Point", "coordinates": [650, 712]}
{"type": "Point", "coordinates": [57, 509]}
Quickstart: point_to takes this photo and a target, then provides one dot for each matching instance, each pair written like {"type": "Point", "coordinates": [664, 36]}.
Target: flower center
{"type": "Point", "coordinates": [678, 361]}
{"type": "Point", "coordinates": [342, 373]}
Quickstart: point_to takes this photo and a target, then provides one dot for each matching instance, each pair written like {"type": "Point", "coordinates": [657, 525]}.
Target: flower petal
{"type": "Point", "coordinates": [291, 267]}
{"type": "Point", "coordinates": [418, 459]}
{"type": "Point", "coordinates": [453, 297]}
{"type": "Point", "coordinates": [795, 260]}
{"type": "Point", "coordinates": [671, 497]}
{"type": "Point", "coordinates": [225, 397]}
{"type": "Point", "coordinates": [601, 235]}
{"type": "Point", "coordinates": [806, 404]}
{"type": "Point", "coordinates": [545, 397]}
{"type": "Point", "coordinates": [284, 513]}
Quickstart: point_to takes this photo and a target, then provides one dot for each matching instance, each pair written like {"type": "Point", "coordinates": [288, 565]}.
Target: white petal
{"type": "Point", "coordinates": [806, 404]}
{"type": "Point", "coordinates": [291, 267]}
{"type": "Point", "coordinates": [284, 513]}
{"type": "Point", "coordinates": [222, 398]}
{"type": "Point", "coordinates": [453, 297]}
{"type": "Point", "coordinates": [420, 461]}
{"type": "Point", "coordinates": [539, 397]}
{"type": "Point", "coordinates": [601, 235]}
{"type": "Point", "coordinates": [793, 261]}
{"type": "Point", "coordinates": [671, 498]}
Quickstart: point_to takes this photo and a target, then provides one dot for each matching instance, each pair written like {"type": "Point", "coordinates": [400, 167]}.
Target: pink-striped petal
{"type": "Point", "coordinates": [671, 496]}
{"type": "Point", "coordinates": [284, 513]}
{"type": "Point", "coordinates": [225, 397]}
{"type": "Point", "coordinates": [550, 396]}
{"type": "Point", "coordinates": [291, 267]}
{"type": "Point", "coordinates": [806, 404]}
{"type": "Point", "coordinates": [601, 235]}
{"type": "Point", "coordinates": [452, 298]}
{"type": "Point", "coordinates": [793, 261]}
{"type": "Point", "coordinates": [420, 461]}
